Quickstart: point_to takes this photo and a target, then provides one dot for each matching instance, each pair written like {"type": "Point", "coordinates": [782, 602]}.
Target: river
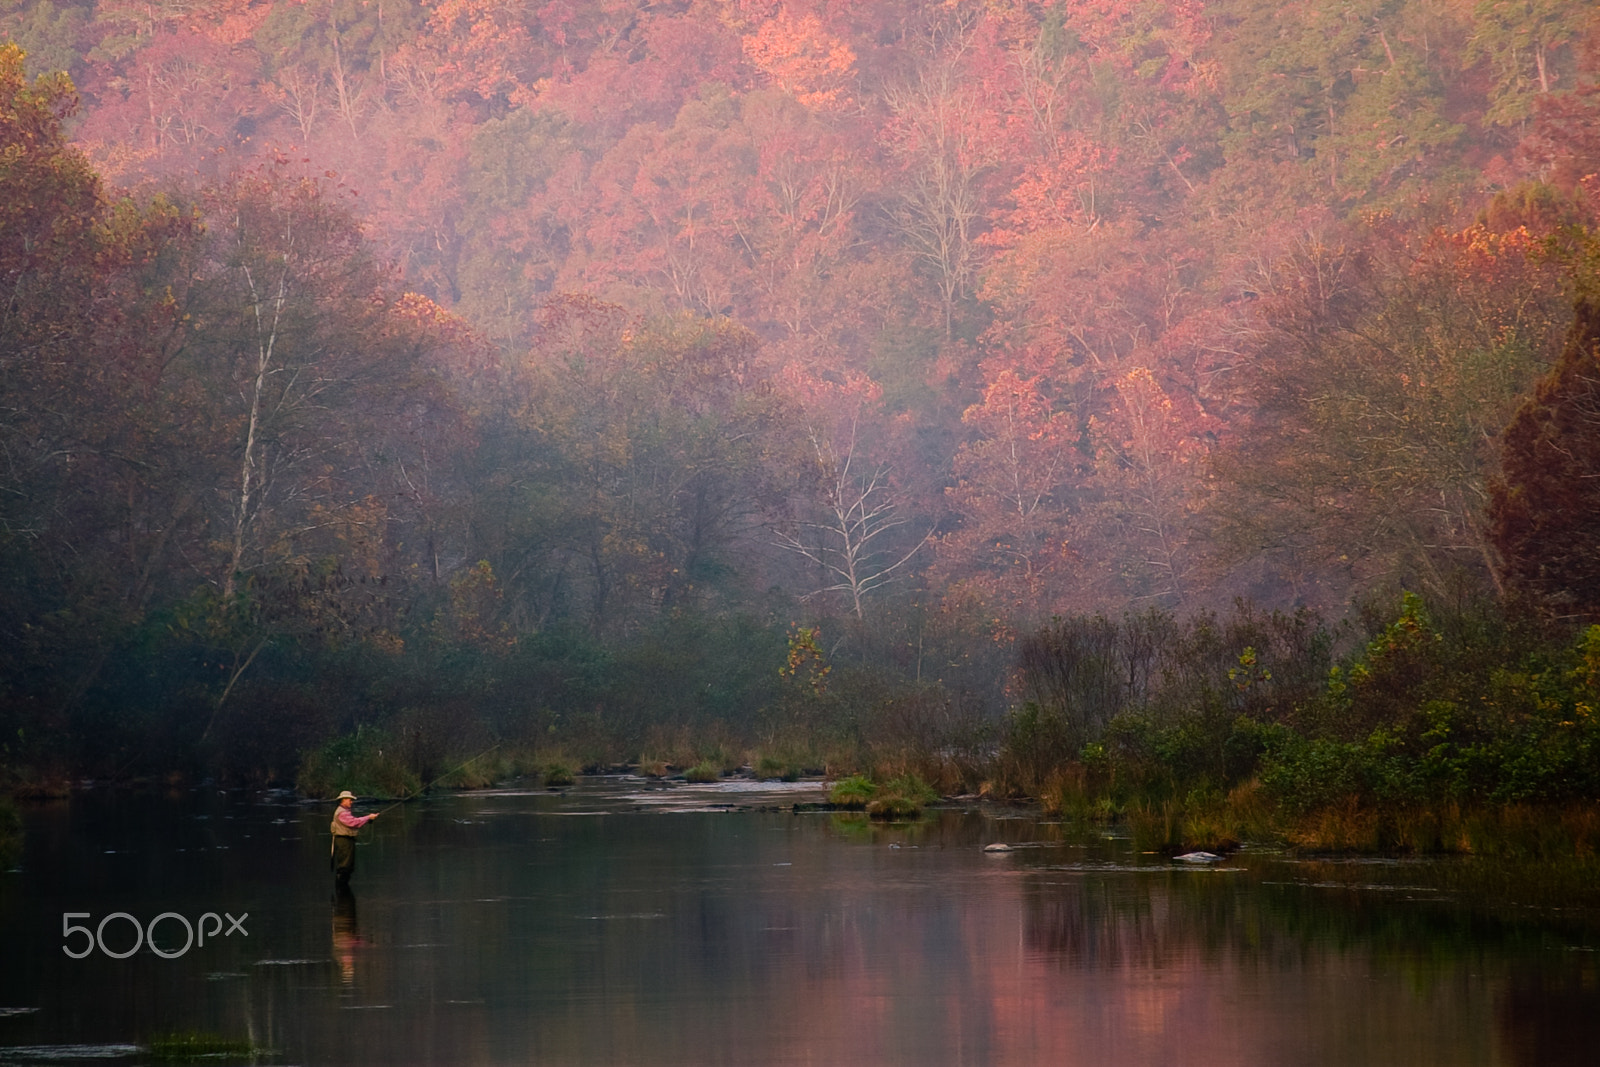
{"type": "Point", "coordinates": [627, 922]}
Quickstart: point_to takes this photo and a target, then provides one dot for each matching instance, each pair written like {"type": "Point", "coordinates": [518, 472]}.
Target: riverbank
{"type": "Point", "coordinates": [1439, 729]}
{"type": "Point", "coordinates": [1523, 832]}
{"type": "Point", "coordinates": [1247, 816]}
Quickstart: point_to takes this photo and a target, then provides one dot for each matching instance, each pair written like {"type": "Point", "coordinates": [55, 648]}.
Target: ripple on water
{"type": "Point", "coordinates": [66, 1053]}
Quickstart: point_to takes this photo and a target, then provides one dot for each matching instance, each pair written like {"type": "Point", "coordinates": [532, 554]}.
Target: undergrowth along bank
{"type": "Point", "coordinates": [1419, 726]}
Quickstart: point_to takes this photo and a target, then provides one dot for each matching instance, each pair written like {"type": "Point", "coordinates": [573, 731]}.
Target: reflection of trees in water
{"type": "Point", "coordinates": [1090, 922]}
{"type": "Point", "coordinates": [490, 925]}
{"type": "Point", "coordinates": [1284, 917]}
{"type": "Point", "coordinates": [1547, 1018]}
{"type": "Point", "coordinates": [1150, 919]}
{"type": "Point", "coordinates": [1352, 941]}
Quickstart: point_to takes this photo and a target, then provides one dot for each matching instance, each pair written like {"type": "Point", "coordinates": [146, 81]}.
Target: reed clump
{"type": "Point", "coordinates": [894, 806]}
{"type": "Point", "coordinates": [901, 797]}
{"type": "Point", "coordinates": [769, 767]}
{"type": "Point", "coordinates": [709, 762]}
{"type": "Point", "coordinates": [194, 1046]}
{"type": "Point", "coordinates": [667, 751]}
{"type": "Point", "coordinates": [788, 763]}
{"type": "Point", "coordinates": [557, 770]}
{"type": "Point", "coordinates": [703, 773]}
{"type": "Point", "coordinates": [853, 793]}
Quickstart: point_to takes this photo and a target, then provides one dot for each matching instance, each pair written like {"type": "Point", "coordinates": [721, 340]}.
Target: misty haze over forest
{"type": "Point", "coordinates": [484, 369]}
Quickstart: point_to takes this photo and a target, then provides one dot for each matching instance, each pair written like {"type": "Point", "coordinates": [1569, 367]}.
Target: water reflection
{"type": "Point", "coordinates": [506, 929]}
{"type": "Point", "coordinates": [1546, 1017]}
{"type": "Point", "coordinates": [346, 934]}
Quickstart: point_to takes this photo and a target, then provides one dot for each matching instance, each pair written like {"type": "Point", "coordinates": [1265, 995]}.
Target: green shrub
{"type": "Point", "coordinates": [703, 772]}
{"type": "Point", "coordinates": [557, 772]}
{"type": "Point", "coordinates": [853, 793]}
{"type": "Point", "coordinates": [901, 798]}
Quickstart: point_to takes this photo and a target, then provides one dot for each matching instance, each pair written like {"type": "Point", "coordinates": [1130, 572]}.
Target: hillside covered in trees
{"type": "Point", "coordinates": [609, 374]}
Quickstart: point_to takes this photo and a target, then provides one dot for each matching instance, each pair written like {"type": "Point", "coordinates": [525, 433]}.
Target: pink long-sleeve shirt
{"type": "Point", "coordinates": [355, 822]}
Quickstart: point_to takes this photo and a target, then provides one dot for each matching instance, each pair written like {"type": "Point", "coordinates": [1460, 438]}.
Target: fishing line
{"type": "Point", "coordinates": [424, 788]}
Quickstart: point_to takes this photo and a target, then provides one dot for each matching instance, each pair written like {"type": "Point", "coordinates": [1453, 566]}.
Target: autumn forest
{"type": "Point", "coordinates": [1070, 398]}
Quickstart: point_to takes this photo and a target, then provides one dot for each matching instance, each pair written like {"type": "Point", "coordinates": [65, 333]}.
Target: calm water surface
{"type": "Point", "coordinates": [626, 923]}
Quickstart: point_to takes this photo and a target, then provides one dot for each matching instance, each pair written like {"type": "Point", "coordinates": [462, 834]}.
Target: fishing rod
{"type": "Point", "coordinates": [424, 788]}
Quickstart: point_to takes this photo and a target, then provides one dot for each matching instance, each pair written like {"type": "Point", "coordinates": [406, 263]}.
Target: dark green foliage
{"type": "Point", "coordinates": [1473, 707]}
{"type": "Point", "coordinates": [1441, 705]}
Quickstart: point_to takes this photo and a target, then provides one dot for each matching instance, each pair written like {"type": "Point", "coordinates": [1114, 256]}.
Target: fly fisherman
{"type": "Point", "coordinates": [345, 828]}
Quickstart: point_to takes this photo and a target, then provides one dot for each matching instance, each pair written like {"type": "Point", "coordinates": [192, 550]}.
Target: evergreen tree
{"type": "Point", "coordinates": [1543, 508]}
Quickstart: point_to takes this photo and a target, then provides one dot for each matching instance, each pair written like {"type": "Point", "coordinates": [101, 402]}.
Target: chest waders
{"type": "Point", "coordinates": [342, 855]}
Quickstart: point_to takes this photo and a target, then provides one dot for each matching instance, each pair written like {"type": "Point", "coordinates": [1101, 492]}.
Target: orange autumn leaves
{"type": "Point", "coordinates": [1059, 509]}
{"type": "Point", "coordinates": [1039, 229]}
{"type": "Point", "coordinates": [803, 59]}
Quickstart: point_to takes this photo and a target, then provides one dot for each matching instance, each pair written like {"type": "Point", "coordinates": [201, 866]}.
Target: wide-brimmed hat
{"type": "Point", "coordinates": [346, 795]}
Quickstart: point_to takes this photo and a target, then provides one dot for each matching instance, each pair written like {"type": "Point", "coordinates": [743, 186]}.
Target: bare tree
{"type": "Point", "coordinates": [937, 136]}
{"type": "Point", "coordinates": [268, 314]}
{"type": "Point", "coordinates": [299, 96]}
{"type": "Point", "coordinates": [848, 544]}
{"type": "Point", "coordinates": [349, 89]}
{"type": "Point", "coordinates": [939, 211]}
